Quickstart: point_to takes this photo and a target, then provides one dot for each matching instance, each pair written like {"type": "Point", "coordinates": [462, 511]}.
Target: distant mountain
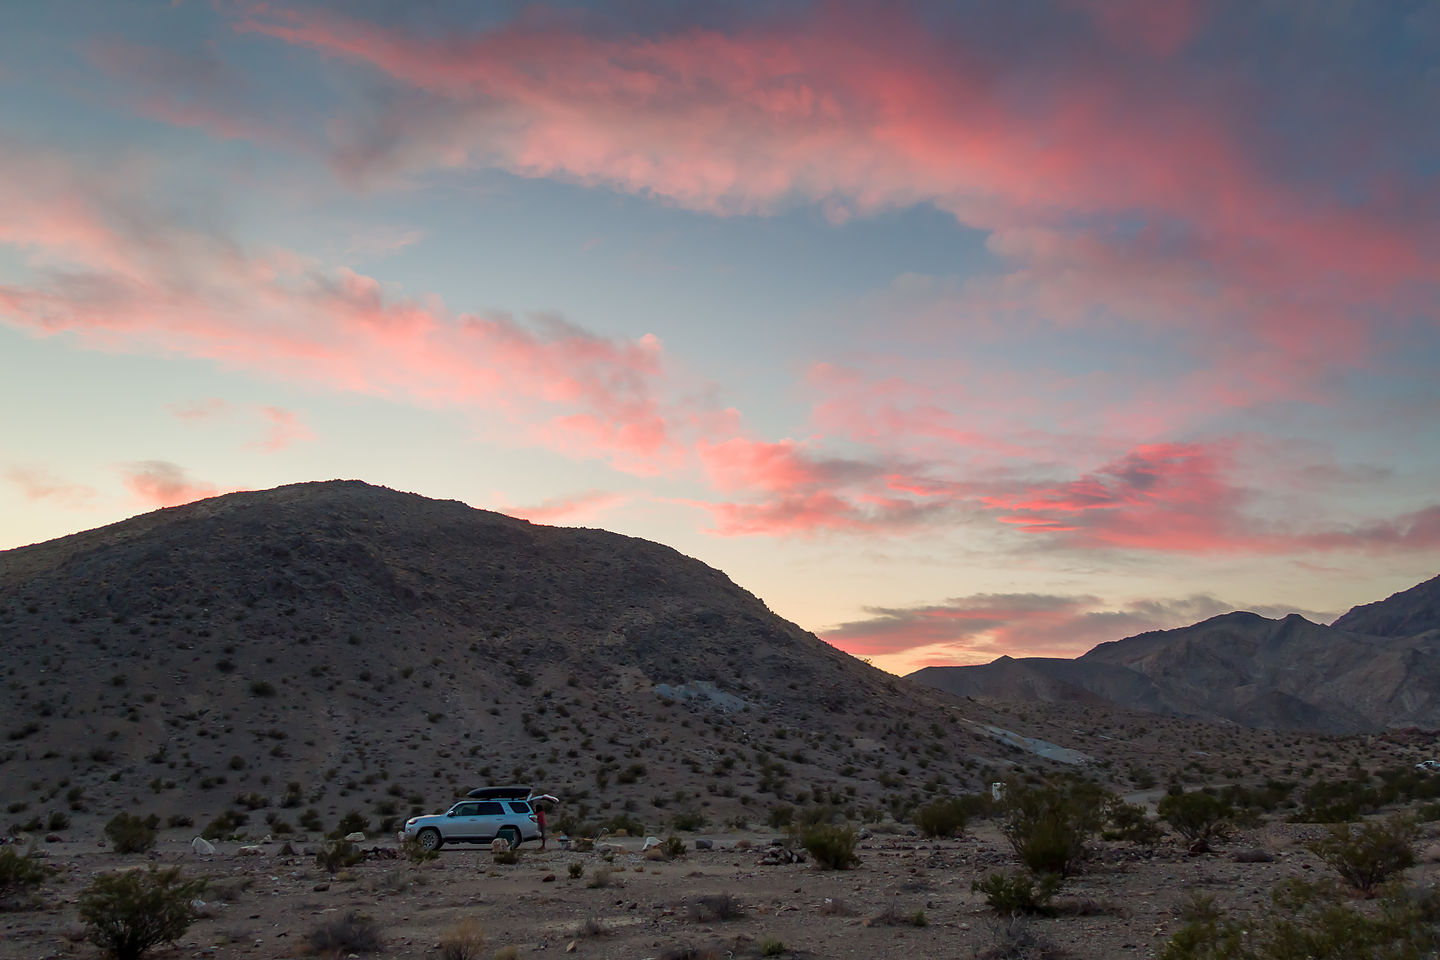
{"type": "Point", "coordinates": [1377, 667]}
{"type": "Point", "coordinates": [1402, 614]}
{"type": "Point", "coordinates": [384, 651]}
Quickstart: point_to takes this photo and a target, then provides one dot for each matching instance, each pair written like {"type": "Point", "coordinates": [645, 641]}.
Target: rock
{"type": "Point", "coordinates": [548, 878]}
{"type": "Point", "coordinates": [52, 838]}
{"type": "Point", "coordinates": [570, 947]}
{"type": "Point", "coordinates": [356, 837]}
{"type": "Point", "coordinates": [252, 850]}
{"type": "Point", "coordinates": [704, 844]}
{"type": "Point", "coordinates": [287, 850]}
{"type": "Point", "coordinates": [202, 847]}
{"type": "Point", "coordinates": [320, 887]}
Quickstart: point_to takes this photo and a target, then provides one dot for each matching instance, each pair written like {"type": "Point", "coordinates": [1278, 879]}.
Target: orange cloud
{"type": "Point", "coordinates": [159, 483]}
{"type": "Point", "coordinates": [581, 508]}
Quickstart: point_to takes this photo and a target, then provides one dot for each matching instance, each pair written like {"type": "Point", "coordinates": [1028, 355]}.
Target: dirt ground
{"type": "Point", "coordinates": [1123, 905]}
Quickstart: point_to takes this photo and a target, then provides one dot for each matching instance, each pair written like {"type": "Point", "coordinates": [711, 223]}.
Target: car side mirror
{"type": "Point", "coordinates": [450, 814]}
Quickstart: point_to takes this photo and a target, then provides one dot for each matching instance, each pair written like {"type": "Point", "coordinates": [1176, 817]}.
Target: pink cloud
{"type": "Point", "coordinates": [286, 428]}
{"type": "Point", "coordinates": [159, 483]}
{"type": "Point", "coordinates": [114, 274]}
{"type": "Point", "coordinates": [37, 484]}
{"type": "Point", "coordinates": [981, 627]}
{"type": "Point", "coordinates": [581, 508]}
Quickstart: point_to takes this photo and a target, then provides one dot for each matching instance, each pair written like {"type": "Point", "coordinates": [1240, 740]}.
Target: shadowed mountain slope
{"type": "Point", "coordinates": [1245, 668]}
{"type": "Point", "coordinates": [384, 651]}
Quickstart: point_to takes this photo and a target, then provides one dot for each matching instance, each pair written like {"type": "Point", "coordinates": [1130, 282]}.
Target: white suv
{"type": "Point", "coordinates": [506, 812]}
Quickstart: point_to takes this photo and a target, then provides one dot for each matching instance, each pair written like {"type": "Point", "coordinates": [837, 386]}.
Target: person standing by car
{"type": "Point", "coordinates": [540, 822]}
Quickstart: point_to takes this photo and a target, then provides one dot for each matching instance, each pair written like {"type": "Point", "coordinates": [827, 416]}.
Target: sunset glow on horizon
{"type": "Point", "coordinates": [951, 331]}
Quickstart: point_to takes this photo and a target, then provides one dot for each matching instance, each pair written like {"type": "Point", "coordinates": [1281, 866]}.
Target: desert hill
{"type": "Point", "coordinates": [383, 650]}
{"type": "Point", "coordinates": [1375, 668]}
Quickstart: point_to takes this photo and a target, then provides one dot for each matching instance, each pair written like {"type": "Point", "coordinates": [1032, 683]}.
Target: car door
{"type": "Point", "coordinates": [463, 824]}
{"type": "Point", "coordinates": [490, 817]}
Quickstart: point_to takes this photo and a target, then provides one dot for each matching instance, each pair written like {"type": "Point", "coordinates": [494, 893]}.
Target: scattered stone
{"type": "Point", "coordinates": [320, 887]}
{"type": "Point", "coordinates": [356, 837]}
{"type": "Point", "coordinates": [202, 847]}
{"type": "Point", "coordinates": [548, 878]}
{"type": "Point", "coordinates": [704, 844]}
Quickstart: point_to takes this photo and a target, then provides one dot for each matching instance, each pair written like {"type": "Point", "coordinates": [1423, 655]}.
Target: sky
{"type": "Point", "coordinates": [951, 330]}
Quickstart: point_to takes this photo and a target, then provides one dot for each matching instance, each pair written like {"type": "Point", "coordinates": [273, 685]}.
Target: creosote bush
{"type": "Point", "coordinates": [1371, 854]}
{"type": "Point", "coordinates": [131, 834]}
{"type": "Point", "coordinates": [125, 914]}
{"type": "Point", "coordinates": [1198, 817]}
{"type": "Point", "coordinates": [942, 818]}
{"type": "Point", "coordinates": [833, 847]}
{"type": "Point", "coordinates": [1306, 922]}
{"type": "Point", "coordinates": [1048, 826]}
{"type": "Point", "coordinates": [1012, 894]}
{"type": "Point", "coordinates": [20, 873]}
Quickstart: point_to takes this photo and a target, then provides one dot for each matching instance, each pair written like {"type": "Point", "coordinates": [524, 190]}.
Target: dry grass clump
{"type": "Point", "coordinates": [713, 907]}
{"type": "Point", "coordinates": [352, 933]}
{"type": "Point", "coordinates": [463, 941]}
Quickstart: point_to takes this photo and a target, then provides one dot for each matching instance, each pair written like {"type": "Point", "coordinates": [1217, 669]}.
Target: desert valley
{"type": "Point", "coordinates": [275, 670]}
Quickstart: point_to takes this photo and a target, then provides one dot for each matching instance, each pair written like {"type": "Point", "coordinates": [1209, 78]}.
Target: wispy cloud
{"type": "Point", "coordinates": [39, 484]}
{"type": "Point", "coordinates": [160, 483]}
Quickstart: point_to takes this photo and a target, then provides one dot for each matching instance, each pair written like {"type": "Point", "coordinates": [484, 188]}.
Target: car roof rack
{"type": "Point", "coordinates": [499, 793]}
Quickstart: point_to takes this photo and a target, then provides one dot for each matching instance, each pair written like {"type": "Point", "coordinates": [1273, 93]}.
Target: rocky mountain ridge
{"type": "Point", "coordinates": [1375, 668]}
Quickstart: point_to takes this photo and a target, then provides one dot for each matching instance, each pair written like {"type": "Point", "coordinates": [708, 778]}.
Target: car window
{"type": "Point", "coordinates": [520, 807]}
{"type": "Point", "coordinates": [490, 808]}
{"type": "Point", "coordinates": [466, 809]}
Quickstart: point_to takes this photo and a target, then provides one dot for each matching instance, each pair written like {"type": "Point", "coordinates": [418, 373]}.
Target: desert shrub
{"type": "Point", "coordinates": [352, 933]}
{"type": "Point", "coordinates": [632, 826]}
{"type": "Point", "coordinates": [125, 914]}
{"type": "Point", "coordinates": [893, 916]}
{"type": "Point", "coordinates": [577, 869]}
{"type": "Point", "coordinates": [58, 820]}
{"type": "Point", "coordinates": [1130, 823]}
{"type": "Point", "coordinates": [310, 820]}
{"type": "Point", "coordinates": [1339, 801]}
{"type": "Point", "coordinates": [223, 826]}
{"type": "Point", "coordinates": [1009, 894]}
{"type": "Point", "coordinates": [179, 820]}
{"type": "Point", "coordinates": [411, 850]}
{"type": "Point", "coordinates": [781, 816]}
{"type": "Point", "coordinates": [131, 834]}
{"type": "Point", "coordinates": [1371, 854]}
{"type": "Point", "coordinates": [1014, 938]}
{"type": "Point", "coordinates": [464, 941]}
{"type": "Point", "coordinates": [507, 857]}
{"type": "Point", "coordinates": [600, 878]}
{"type": "Point", "coordinates": [833, 847]}
{"type": "Point", "coordinates": [337, 855]}
{"type": "Point", "coordinates": [1049, 825]}
{"type": "Point", "coordinates": [1199, 817]}
{"type": "Point", "coordinates": [1305, 922]}
{"type": "Point", "coordinates": [690, 820]}
{"type": "Point", "coordinates": [771, 947]}
{"type": "Point", "coordinates": [714, 906]}
{"type": "Point", "coordinates": [352, 822]}
{"type": "Point", "coordinates": [942, 818]}
{"type": "Point", "coordinates": [673, 848]}
{"type": "Point", "coordinates": [20, 873]}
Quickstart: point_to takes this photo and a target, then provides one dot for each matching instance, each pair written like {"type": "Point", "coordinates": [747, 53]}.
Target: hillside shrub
{"type": "Point", "coordinates": [125, 914]}
{"type": "Point", "coordinates": [833, 847]}
{"type": "Point", "coordinates": [1049, 825]}
{"type": "Point", "coordinates": [352, 822]}
{"type": "Point", "coordinates": [131, 834]}
{"type": "Point", "coordinates": [1368, 855]}
{"type": "Point", "coordinates": [1199, 817]}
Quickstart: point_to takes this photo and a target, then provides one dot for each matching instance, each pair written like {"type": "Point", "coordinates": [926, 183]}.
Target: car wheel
{"type": "Point", "coordinates": [430, 840]}
{"type": "Point", "coordinates": [510, 835]}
